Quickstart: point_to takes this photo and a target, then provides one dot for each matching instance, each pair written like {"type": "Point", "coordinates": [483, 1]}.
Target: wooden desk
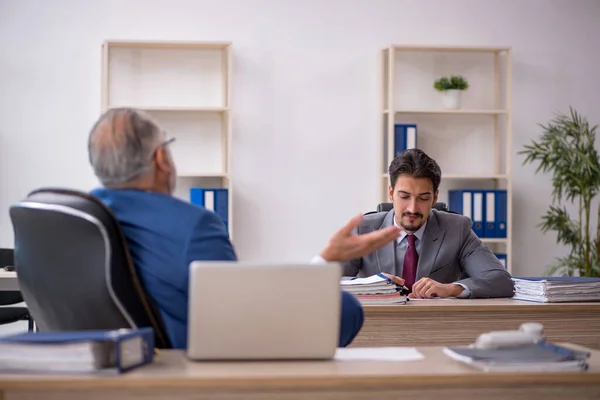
{"type": "Point", "coordinates": [435, 377]}
{"type": "Point", "coordinates": [451, 322]}
{"type": "Point", "coordinates": [8, 280]}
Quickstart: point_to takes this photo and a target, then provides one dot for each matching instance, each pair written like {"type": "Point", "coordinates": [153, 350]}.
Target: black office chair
{"type": "Point", "coordinates": [73, 266]}
{"type": "Point", "coordinates": [8, 315]}
{"type": "Point", "coordinates": [385, 207]}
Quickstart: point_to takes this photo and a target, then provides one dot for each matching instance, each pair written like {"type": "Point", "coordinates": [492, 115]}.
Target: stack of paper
{"type": "Point", "coordinates": [535, 357]}
{"type": "Point", "coordinates": [90, 351]}
{"type": "Point", "coordinates": [557, 289]}
{"type": "Point", "coordinates": [375, 289]}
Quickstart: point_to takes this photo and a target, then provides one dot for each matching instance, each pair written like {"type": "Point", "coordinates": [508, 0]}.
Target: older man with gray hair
{"type": "Point", "coordinates": [130, 155]}
{"type": "Point", "coordinates": [122, 147]}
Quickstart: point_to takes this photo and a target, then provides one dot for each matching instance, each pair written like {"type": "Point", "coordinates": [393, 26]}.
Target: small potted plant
{"type": "Point", "coordinates": [451, 89]}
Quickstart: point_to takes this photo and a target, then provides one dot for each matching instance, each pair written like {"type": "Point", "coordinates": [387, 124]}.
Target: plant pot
{"type": "Point", "coordinates": [451, 98]}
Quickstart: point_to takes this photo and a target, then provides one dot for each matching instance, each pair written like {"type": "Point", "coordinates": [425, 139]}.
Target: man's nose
{"type": "Point", "coordinates": [412, 206]}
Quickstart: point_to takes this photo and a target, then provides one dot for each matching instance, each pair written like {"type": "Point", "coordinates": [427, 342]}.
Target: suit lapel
{"type": "Point", "coordinates": [386, 258]}
{"type": "Point", "coordinates": [432, 241]}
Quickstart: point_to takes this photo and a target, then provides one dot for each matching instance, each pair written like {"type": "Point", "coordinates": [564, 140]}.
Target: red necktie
{"type": "Point", "coordinates": [411, 259]}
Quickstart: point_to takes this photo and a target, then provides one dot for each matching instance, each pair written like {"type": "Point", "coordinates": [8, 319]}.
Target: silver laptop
{"type": "Point", "coordinates": [259, 311]}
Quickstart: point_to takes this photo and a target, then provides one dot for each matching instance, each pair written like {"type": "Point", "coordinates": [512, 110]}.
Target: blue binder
{"type": "Point", "coordinates": [470, 203]}
{"type": "Point", "coordinates": [461, 201]}
{"type": "Point", "coordinates": [405, 137]}
{"type": "Point", "coordinates": [213, 199]}
{"type": "Point", "coordinates": [91, 351]}
{"type": "Point", "coordinates": [478, 212]}
{"type": "Point", "coordinates": [496, 214]}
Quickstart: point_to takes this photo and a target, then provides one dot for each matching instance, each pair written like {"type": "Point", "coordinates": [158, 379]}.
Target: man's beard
{"type": "Point", "coordinates": [412, 227]}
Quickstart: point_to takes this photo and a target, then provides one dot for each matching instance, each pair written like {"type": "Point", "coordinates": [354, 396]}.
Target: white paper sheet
{"type": "Point", "coordinates": [363, 281]}
{"type": "Point", "coordinates": [378, 354]}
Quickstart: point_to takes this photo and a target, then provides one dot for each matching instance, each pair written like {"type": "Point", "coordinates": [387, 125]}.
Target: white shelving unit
{"type": "Point", "coordinates": [186, 86]}
{"type": "Point", "coordinates": [473, 144]}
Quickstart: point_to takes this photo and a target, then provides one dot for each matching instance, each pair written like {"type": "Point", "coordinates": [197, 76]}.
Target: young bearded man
{"type": "Point", "coordinates": [437, 253]}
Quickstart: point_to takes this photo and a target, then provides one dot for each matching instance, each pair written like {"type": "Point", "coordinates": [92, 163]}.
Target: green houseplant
{"type": "Point", "coordinates": [566, 149]}
{"type": "Point", "coordinates": [451, 89]}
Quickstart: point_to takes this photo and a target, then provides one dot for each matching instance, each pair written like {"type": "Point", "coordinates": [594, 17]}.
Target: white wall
{"type": "Point", "coordinates": [306, 92]}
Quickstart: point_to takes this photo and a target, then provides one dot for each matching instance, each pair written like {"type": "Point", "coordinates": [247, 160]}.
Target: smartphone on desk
{"type": "Point", "coordinates": [9, 268]}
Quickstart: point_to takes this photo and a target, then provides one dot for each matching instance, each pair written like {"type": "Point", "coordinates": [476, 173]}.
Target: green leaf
{"type": "Point", "coordinates": [564, 266]}
{"type": "Point", "coordinates": [557, 219]}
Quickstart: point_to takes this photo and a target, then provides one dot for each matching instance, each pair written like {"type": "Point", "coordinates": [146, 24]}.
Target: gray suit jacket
{"type": "Point", "coordinates": [450, 252]}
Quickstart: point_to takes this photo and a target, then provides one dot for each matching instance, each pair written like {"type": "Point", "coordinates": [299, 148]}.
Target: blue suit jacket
{"type": "Point", "coordinates": [165, 235]}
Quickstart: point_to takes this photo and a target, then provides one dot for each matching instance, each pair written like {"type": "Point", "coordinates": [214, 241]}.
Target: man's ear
{"type": "Point", "coordinates": [435, 196]}
{"type": "Point", "coordinates": [390, 193]}
{"type": "Point", "coordinates": [162, 160]}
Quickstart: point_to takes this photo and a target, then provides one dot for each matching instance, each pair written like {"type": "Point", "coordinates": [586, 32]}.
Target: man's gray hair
{"type": "Point", "coordinates": [121, 145]}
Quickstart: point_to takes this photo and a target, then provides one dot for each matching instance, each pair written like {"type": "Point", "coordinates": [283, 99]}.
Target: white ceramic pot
{"type": "Point", "coordinates": [451, 98]}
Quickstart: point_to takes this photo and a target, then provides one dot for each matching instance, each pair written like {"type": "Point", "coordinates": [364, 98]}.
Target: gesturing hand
{"type": "Point", "coordinates": [345, 245]}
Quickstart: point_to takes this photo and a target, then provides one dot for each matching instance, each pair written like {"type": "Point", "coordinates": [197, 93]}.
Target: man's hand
{"type": "Point", "coordinates": [345, 245]}
{"type": "Point", "coordinates": [427, 288]}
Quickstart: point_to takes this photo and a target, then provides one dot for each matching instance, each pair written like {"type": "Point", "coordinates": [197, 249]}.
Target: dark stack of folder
{"type": "Point", "coordinates": [534, 357]}
{"type": "Point", "coordinates": [77, 352]}
{"type": "Point", "coordinates": [557, 289]}
{"type": "Point", "coordinates": [376, 289]}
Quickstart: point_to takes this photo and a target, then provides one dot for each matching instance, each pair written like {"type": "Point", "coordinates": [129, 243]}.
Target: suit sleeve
{"type": "Point", "coordinates": [487, 277]}
{"type": "Point", "coordinates": [352, 267]}
{"type": "Point", "coordinates": [210, 241]}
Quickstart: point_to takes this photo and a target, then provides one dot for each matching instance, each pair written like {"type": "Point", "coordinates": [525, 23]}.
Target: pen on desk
{"type": "Point", "coordinates": [402, 288]}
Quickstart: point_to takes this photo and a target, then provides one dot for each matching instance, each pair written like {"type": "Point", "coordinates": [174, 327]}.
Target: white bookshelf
{"type": "Point", "coordinates": [186, 86]}
{"type": "Point", "coordinates": [472, 144]}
